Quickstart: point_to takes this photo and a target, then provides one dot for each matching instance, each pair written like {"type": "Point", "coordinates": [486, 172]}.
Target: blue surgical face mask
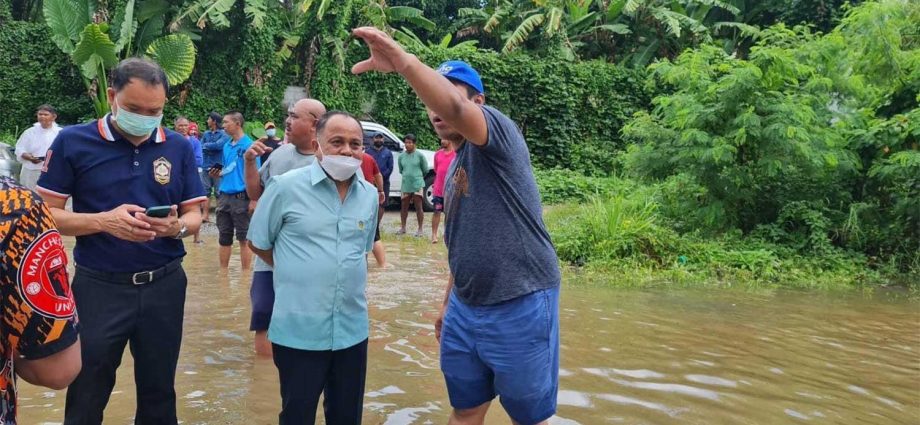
{"type": "Point", "coordinates": [136, 124]}
{"type": "Point", "coordinates": [270, 132]}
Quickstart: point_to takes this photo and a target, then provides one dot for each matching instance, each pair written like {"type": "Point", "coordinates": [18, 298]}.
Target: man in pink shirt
{"type": "Point", "coordinates": [442, 159]}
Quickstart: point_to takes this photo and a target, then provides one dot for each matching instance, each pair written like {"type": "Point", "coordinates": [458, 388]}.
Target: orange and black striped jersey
{"type": "Point", "coordinates": [39, 315]}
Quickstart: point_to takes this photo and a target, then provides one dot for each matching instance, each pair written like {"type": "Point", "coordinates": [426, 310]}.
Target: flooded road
{"type": "Point", "coordinates": [628, 356]}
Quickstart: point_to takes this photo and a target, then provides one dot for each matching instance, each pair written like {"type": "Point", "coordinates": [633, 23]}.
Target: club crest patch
{"type": "Point", "coordinates": [162, 169]}
{"type": "Point", "coordinates": [361, 225]}
{"type": "Point", "coordinates": [43, 280]}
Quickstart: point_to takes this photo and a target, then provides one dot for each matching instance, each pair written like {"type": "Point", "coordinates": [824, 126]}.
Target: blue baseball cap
{"type": "Point", "coordinates": [462, 72]}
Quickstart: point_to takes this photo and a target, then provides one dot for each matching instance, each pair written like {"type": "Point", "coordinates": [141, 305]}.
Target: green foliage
{"type": "Point", "coordinates": [624, 236]}
{"type": "Point", "coordinates": [750, 132]}
{"type": "Point", "coordinates": [176, 54]}
{"type": "Point", "coordinates": [812, 142]}
{"type": "Point", "coordinates": [67, 19]}
{"type": "Point", "coordinates": [570, 113]}
{"type": "Point", "coordinates": [35, 71]}
{"type": "Point", "coordinates": [558, 186]}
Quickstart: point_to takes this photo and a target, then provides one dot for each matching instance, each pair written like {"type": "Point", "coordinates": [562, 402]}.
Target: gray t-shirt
{"type": "Point", "coordinates": [497, 245]}
{"type": "Point", "coordinates": [282, 160]}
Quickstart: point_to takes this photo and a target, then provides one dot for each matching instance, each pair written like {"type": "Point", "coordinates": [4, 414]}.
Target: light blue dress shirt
{"type": "Point", "coordinates": [320, 247]}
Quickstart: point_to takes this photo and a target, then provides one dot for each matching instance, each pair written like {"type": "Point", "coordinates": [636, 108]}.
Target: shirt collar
{"type": "Point", "coordinates": [107, 133]}
{"type": "Point", "coordinates": [316, 173]}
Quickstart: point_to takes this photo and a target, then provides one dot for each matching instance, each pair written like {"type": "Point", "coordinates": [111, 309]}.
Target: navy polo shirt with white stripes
{"type": "Point", "coordinates": [102, 170]}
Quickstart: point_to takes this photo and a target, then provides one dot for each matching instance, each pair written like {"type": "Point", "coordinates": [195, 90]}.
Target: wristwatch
{"type": "Point", "coordinates": [183, 230]}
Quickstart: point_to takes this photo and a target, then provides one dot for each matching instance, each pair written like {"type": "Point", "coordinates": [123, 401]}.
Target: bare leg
{"type": "Point", "coordinates": [245, 255]}
{"type": "Point", "coordinates": [403, 213]}
{"type": "Point", "coordinates": [263, 345]}
{"type": "Point", "coordinates": [474, 416]}
{"type": "Point", "coordinates": [419, 213]}
{"type": "Point", "coordinates": [225, 256]}
{"type": "Point", "coordinates": [207, 210]}
{"type": "Point", "coordinates": [380, 254]}
{"type": "Point", "coordinates": [435, 222]}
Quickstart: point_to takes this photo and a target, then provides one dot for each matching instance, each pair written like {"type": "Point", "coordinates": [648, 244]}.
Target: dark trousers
{"type": "Point", "coordinates": [111, 315]}
{"type": "Point", "coordinates": [338, 375]}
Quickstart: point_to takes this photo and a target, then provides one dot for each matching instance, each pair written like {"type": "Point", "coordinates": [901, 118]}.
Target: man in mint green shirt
{"type": "Point", "coordinates": [316, 225]}
{"type": "Point", "coordinates": [412, 166]}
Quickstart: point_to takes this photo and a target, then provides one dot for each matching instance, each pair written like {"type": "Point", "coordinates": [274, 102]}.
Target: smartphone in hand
{"type": "Point", "coordinates": [161, 211]}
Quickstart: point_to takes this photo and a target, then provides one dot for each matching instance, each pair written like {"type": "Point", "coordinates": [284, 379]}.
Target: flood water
{"type": "Point", "coordinates": [628, 356]}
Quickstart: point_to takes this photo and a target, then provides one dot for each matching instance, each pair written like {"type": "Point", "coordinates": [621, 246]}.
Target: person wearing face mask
{"type": "Point", "coordinates": [316, 225]}
{"type": "Point", "coordinates": [300, 131]}
{"type": "Point", "coordinates": [270, 140]}
{"type": "Point", "coordinates": [384, 159]}
{"type": "Point", "coordinates": [129, 285]}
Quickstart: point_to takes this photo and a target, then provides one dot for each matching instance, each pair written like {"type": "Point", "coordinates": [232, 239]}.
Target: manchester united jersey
{"type": "Point", "coordinates": [37, 304]}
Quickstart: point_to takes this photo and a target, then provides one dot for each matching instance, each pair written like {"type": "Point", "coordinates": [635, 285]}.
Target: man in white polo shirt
{"type": "Point", "coordinates": [34, 142]}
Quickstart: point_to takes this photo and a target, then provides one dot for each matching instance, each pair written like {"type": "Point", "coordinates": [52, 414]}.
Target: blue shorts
{"type": "Point", "coordinates": [510, 350]}
{"type": "Point", "coordinates": [262, 294]}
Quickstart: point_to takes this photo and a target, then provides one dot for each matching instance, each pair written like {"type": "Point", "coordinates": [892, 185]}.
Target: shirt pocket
{"type": "Point", "coordinates": [353, 234]}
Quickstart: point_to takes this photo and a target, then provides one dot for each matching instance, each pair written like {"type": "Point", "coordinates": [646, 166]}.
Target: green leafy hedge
{"type": "Point", "coordinates": [570, 113]}
{"type": "Point", "coordinates": [34, 72]}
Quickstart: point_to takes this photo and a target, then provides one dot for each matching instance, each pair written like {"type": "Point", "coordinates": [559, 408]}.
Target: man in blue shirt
{"type": "Point", "coordinates": [212, 147]}
{"type": "Point", "coordinates": [499, 323]}
{"type": "Point", "coordinates": [183, 127]}
{"type": "Point", "coordinates": [129, 284]}
{"type": "Point", "coordinates": [384, 159]}
{"type": "Point", "coordinates": [232, 202]}
{"type": "Point", "coordinates": [316, 225]}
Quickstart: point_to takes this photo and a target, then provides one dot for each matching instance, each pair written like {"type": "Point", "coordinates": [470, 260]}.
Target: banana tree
{"type": "Point", "coordinates": [95, 46]}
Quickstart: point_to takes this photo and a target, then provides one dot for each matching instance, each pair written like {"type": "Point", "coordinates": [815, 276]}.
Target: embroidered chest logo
{"type": "Point", "coordinates": [43, 280]}
{"type": "Point", "coordinates": [162, 170]}
{"type": "Point", "coordinates": [361, 225]}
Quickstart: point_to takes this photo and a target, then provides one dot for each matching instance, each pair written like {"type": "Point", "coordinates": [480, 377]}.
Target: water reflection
{"type": "Point", "coordinates": [637, 357]}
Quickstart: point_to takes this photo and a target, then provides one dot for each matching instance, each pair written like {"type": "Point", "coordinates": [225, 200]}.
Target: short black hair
{"type": "Point", "coordinates": [376, 135]}
{"type": "Point", "coordinates": [142, 69]}
{"type": "Point", "coordinates": [236, 116]}
{"type": "Point", "coordinates": [409, 136]}
{"type": "Point", "coordinates": [47, 108]}
{"type": "Point", "coordinates": [214, 116]}
{"type": "Point", "coordinates": [471, 92]}
{"type": "Point", "coordinates": [323, 120]}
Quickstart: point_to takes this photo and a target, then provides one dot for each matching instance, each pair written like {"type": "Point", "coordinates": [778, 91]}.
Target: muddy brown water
{"type": "Point", "coordinates": [628, 356]}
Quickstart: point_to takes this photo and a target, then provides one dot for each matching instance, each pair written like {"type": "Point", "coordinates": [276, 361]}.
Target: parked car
{"type": "Point", "coordinates": [9, 166]}
{"type": "Point", "coordinates": [395, 144]}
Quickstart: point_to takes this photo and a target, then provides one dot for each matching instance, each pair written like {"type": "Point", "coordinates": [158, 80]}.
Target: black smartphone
{"type": "Point", "coordinates": [158, 212]}
{"type": "Point", "coordinates": [40, 158]}
{"type": "Point", "coordinates": [217, 167]}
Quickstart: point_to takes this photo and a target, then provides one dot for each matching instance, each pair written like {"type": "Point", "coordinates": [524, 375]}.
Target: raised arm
{"type": "Point", "coordinates": [435, 91]}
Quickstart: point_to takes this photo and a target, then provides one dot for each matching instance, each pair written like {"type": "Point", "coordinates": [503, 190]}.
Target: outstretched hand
{"type": "Point", "coordinates": [386, 54]}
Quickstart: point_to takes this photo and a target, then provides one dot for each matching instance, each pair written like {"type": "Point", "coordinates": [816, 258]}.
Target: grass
{"type": "Point", "coordinates": [622, 240]}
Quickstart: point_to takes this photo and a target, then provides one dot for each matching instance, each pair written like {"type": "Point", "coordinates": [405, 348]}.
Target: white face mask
{"type": "Point", "coordinates": [339, 167]}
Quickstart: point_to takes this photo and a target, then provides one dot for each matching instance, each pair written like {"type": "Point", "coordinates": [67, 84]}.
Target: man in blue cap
{"type": "Point", "coordinates": [499, 324]}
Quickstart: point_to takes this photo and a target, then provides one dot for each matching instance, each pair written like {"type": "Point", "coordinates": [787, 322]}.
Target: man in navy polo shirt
{"type": "Point", "coordinates": [129, 284]}
{"type": "Point", "coordinates": [232, 202]}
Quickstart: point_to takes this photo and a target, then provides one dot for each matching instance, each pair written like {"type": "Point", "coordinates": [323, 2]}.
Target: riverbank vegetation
{"type": "Point", "coordinates": [766, 142]}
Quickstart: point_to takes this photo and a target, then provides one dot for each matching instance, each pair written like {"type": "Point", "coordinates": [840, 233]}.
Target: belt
{"type": "Point", "coordinates": [139, 278]}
